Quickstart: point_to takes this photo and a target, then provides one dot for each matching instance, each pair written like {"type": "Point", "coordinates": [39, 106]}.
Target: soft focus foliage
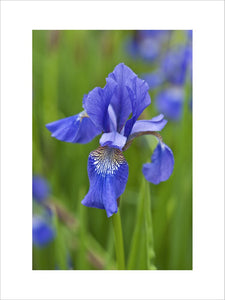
{"type": "Point", "coordinates": [66, 66]}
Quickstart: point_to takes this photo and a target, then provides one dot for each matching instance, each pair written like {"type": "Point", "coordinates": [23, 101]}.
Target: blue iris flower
{"type": "Point", "coordinates": [147, 44]}
{"type": "Point", "coordinates": [175, 64]}
{"type": "Point", "coordinates": [40, 188]}
{"type": "Point", "coordinates": [170, 102]}
{"type": "Point", "coordinates": [42, 230]}
{"type": "Point", "coordinates": [107, 110]}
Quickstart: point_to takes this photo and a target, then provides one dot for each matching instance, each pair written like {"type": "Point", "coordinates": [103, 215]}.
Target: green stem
{"type": "Point", "coordinates": [131, 265]}
{"type": "Point", "coordinates": [149, 229]}
{"type": "Point", "coordinates": [118, 234]}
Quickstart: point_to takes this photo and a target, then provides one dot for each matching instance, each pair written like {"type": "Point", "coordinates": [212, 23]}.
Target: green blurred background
{"type": "Point", "coordinates": [67, 65]}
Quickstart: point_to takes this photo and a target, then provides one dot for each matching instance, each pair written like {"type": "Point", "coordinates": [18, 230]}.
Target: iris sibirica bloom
{"type": "Point", "coordinates": [107, 111]}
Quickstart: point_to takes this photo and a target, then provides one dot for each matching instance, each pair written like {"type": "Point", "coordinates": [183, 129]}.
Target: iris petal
{"type": "Point", "coordinates": [108, 174]}
{"type": "Point", "coordinates": [75, 129]}
{"type": "Point", "coordinates": [140, 99]}
{"type": "Point", "coordinates": [155, 124]}
{"type": "Point", "coordinates": [113, 139]}
{"type": "Point", "coordinates": [161, 166]}
{"type": "Point", "coordinates": [121, 102]}
{"type": "Point", "coordinates": [96, 104]}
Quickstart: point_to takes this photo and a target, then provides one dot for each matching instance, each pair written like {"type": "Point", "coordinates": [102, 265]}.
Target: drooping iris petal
{"type": "Point", "coordinates": [74, 129]}
{"type": "Point", "coordinates": [40, 189]}
{"type": "Point", "coordinates": [113, 139]}
{"type": "Point", "coordinates": [140, 99]}
{"type": "Point", "coordinates": [170, 102]}
{"type": "Point", "coordinates": [161, 166]}
{"type": "Point", "coordinates": [96, 104]}
{"type": "Point", "coordinates": [121, 102]}
{"type": "Point", "coordinates": [108, 174]}
{"type": "Point", "coordinates": [155, 124]}
{"type": "Point", "coordinates": [43, 232]}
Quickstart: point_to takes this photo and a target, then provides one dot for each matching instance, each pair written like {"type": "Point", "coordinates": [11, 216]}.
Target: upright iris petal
{"type": "Point", "coordinates": [75, 129]}
{"type": "Point", "coordinates": [140, 99]}
{"type": "Point", "coordinates": [161, 166]}
{"type": "Point", "coordinates": [120, 100]}
{"type": "Point", "coordinates": [108, 174]}
{"type": "Point", "coordinates": [97, 103]}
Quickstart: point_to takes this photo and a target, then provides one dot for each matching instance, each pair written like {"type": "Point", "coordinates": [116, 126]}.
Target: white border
{"type": "Point", "coordinates": [206, 280]}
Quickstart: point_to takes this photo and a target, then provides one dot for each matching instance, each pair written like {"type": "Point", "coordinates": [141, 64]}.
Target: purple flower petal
{"type": "Point", "coordinates": [75, 129]}
{"type": "Point", "coordinates": [121, 102]}
{"type": "Point", "coordinates": [112, 118]}
{"type": "Point", "coordinates": [108, 174]}
{"type": "Point", "coordinates": [161, 166]}
{"type": "Point", "coordinates": [140, 99]}
{"type": "Point", "coordinates": [155, 124]}
{"type": "Point", "coordinates": [96, 104]}
{"type": "Point", "coordinates": [113, 139]}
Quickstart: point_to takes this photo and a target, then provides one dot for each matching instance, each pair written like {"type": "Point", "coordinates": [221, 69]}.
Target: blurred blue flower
{"type": "Point", "coordinates": [170, 102]}
{"type": "Point", "coordinates": [154, 79]}
{"type": "Point", "coordinates": [40, 188]}
{"type": "Point", "coordinates": [175, 64]}
{"type": "Point", "coordinates": [189, 61]}
{"type": "Point", "coordinates": [147, 44]}
{"type": "Point", "coordinates": [108, 109]}
{"type": "Point", "coordinates": [42, 230]}
{"type": "Point", "coordinates": [189, 36]}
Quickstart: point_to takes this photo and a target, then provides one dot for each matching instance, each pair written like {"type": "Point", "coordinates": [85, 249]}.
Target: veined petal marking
{"type": "Point", "coordinates": [107, 160]}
